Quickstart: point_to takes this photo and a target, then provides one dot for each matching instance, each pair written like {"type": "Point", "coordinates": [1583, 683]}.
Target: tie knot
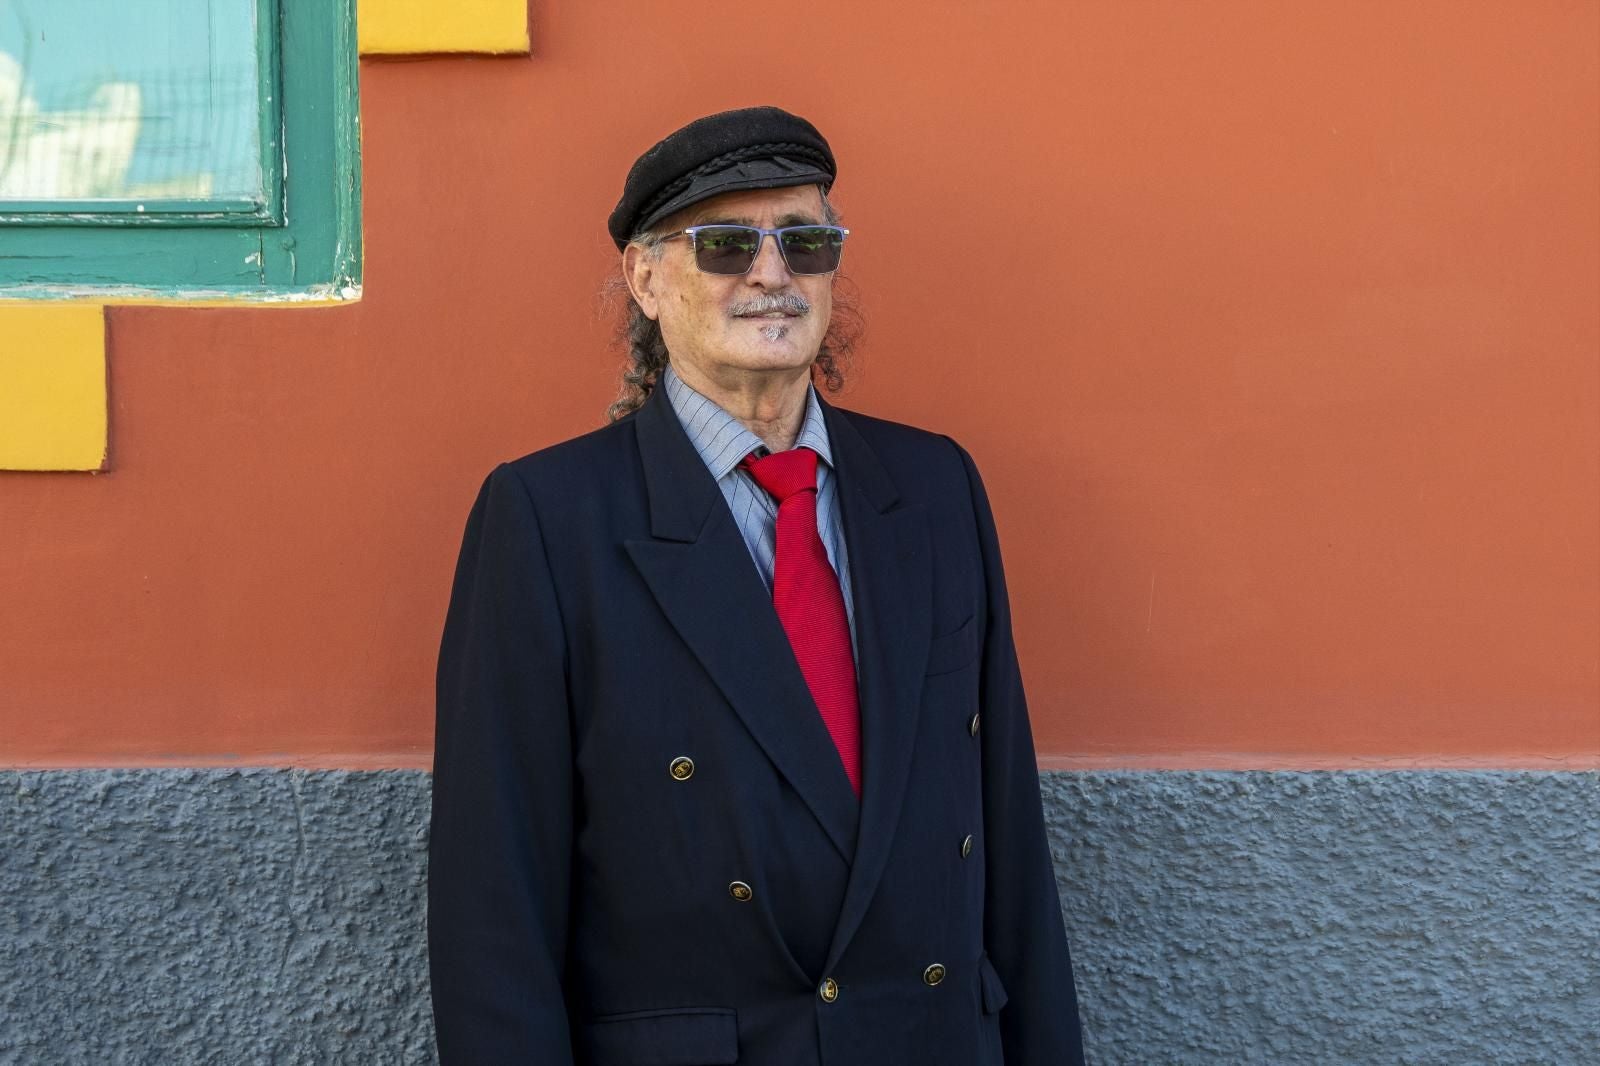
{"type": "Point", "coordinates": [782, 474]}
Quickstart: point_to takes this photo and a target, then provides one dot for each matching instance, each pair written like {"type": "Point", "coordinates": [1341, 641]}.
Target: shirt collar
{"type": "Point", "coordinates": [723, 440]}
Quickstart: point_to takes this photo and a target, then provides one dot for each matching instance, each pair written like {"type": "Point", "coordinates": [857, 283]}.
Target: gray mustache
{"type": "Point", "coordinates": [788, 302]}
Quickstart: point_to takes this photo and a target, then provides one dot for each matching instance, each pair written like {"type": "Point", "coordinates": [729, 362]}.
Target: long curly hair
{"type": "Point", "coordinates": [640, 336]}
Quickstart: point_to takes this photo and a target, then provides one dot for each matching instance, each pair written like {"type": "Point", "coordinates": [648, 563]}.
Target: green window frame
{"type": "Point", "coordinates": [301, 240]}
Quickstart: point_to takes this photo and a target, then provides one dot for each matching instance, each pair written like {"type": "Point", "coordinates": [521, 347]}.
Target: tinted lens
{"type": "Point", "coordinates": [812, 249]}
{"type": "Point", "coordinates": [725, 249]}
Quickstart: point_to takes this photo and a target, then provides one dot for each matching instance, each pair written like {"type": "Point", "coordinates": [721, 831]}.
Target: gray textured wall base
{"type": "Point", "coordinates": [275, 916]}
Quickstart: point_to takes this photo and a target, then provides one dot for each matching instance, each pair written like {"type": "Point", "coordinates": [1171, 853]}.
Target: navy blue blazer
{"type": "Point", "coordinates": [593, 898]}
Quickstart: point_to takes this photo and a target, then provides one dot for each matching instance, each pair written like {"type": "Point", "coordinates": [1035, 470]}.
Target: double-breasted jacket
{"type": "Point", "coordinates": [644, 847]}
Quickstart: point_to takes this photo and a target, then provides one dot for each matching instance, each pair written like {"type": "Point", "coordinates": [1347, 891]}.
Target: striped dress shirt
{"type": "Point", "coordinates": [723, 441]}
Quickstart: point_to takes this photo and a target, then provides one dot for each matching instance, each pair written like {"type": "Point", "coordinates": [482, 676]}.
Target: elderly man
{"type": "Point", "coordinates": [733, 763]}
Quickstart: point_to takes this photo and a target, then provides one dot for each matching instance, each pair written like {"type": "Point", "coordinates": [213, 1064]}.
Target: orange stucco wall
{"type": "Point", "coordinates": [1274, 328]}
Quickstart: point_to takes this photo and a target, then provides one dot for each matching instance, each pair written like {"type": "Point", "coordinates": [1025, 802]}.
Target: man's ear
{"type": "Point", "coordinates": [638, 267]}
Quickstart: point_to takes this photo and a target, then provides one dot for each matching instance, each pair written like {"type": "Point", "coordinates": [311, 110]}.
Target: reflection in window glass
{"type": "Point", "coordinates": [129, 100]}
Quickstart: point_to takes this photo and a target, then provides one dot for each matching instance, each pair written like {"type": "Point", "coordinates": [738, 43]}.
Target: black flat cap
{"type": "Point", "coordinates": [752, 148]}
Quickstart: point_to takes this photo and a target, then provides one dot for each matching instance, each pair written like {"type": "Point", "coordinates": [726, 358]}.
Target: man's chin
{"type": "Point", "coordinates": [772, 328]}
{"type": "Point", "coordinates": [776, 345]}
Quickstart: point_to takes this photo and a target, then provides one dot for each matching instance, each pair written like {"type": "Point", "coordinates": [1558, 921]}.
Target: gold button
{"type": "Point", "coordinates": [933, 975]}
{"type": "Point", "coordinates": [828, 990]}
{"type": "Point", "coordinates": [966, 846]}
{"type": "Point", "coordinates": [740, 891]}
{"type": "Point", "coordinates": [681, 768]}
{"type": "Point", "coordinates": [972, 726]}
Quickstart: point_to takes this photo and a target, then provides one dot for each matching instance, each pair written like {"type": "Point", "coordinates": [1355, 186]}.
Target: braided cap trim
{"type": "Point", "coordinates": [727, 159]}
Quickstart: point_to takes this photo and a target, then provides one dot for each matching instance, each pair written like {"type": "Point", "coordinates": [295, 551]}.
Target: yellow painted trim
{"type": "Point", "coordinates": [52, 387]}
{"type": "Point", "coordinates": [401, 27]}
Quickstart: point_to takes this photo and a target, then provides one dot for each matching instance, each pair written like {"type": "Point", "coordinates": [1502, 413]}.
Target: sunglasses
{"type": "Point", "coordinates": [727, 249]}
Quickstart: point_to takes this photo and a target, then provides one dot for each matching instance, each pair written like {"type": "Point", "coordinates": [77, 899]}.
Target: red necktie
{"type": "Point", "coordinates": [805, 591]}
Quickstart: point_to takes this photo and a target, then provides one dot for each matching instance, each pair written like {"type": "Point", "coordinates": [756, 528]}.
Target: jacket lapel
{"type": "Point", "coordinates": [890, 566]}
{"type": "Point", "coordinates": [700, 572]}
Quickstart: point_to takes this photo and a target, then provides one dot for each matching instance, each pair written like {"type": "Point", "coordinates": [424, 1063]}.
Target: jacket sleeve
{"type": "Point", "coordinates": [502, 834]}
{"type": "Point", "coordinates": [1023, 931]}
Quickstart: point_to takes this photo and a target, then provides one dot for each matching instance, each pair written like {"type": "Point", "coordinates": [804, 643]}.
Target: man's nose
{"type": "Point", "coordinates": [769, 269]}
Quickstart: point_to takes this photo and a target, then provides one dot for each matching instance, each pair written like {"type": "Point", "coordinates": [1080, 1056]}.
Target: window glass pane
{"type": "Point", "coordinates": [129, 100]}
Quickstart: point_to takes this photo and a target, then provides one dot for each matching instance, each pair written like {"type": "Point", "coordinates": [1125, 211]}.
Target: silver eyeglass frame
{"type": "Point", "coordinates": [693, 233]}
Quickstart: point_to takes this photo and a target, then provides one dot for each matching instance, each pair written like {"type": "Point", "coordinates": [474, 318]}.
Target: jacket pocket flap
{"type": "Point", "coordinates": [994, 993]}
{"type": "Point", "coordinates": [951, 651]}
{"type": "Point", "coordinates": [684, 1036]}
